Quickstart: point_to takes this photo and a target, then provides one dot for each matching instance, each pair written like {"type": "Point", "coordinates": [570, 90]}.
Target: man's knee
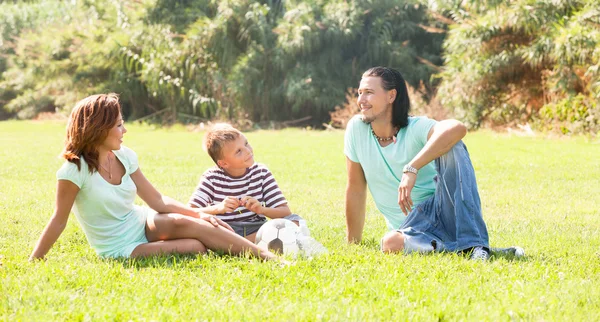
{"type": "Point", "coordinates": [392, 242]}
{"type": "Point", "coordinates": [458, 151]}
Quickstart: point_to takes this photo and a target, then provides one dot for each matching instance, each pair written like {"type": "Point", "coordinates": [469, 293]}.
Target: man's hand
{"type": "Point", "coordinates": [406, 185]}
{"type": "Point", "coordinates": [214, 221]}
{"type": "Point", "coordinates": [252, 204]}
{"type": "Point", "coordinates": [229, 204]}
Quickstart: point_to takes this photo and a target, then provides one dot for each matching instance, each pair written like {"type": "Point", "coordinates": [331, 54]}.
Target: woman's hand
{"type": "Point", "coordinates": [214, 221]}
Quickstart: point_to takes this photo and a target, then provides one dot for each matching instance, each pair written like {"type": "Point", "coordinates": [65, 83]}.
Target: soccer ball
{"type": "Point", "coordinates": [278, 236]}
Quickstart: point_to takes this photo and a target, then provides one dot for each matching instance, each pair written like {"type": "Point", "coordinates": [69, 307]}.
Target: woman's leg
{"type": "Point", "coordinates": [177, 246]}
{"type": "Point", "coordinates": [251, 237]}
{"type": "Point", "coordinates": [177, 226]}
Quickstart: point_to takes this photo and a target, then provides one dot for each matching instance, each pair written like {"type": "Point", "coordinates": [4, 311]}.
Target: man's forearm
{"type": "Point", "coordinates": [444, 137]}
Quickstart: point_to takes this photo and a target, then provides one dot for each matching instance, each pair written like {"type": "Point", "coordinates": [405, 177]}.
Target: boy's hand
{"type": "Point", "coordinates": [229, 204]}
{"type": "Point", "coordinates": [252, 204]}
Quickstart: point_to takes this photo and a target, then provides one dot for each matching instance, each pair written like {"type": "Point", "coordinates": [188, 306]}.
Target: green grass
{"type": "Point", "coordinates": [542, 194]}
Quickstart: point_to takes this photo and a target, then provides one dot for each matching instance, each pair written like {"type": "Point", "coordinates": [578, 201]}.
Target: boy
{"type": "Point", "coordinates": [238, 191]}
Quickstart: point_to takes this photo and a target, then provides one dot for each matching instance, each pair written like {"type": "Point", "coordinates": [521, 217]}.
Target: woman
{"type": "Point", "coordinates": [100, 179]}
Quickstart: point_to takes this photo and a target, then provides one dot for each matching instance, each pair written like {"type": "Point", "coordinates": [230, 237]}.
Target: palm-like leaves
{"type": "Point", "coordinates": [265, 60]}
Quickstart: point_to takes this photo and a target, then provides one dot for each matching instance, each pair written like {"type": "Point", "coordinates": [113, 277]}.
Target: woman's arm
{"type": "Point", "coordinates": [229, 204]}
{"type": "Point", "coordinates": [164, 204]}
{"type": "Point", "coordinates": [158, 202]}
{"type": "Point", "coordinates": [66, 191]}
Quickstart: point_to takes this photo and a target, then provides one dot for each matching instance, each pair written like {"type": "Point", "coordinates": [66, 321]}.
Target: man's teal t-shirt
{"type": "Point", "coordinates": [360, 146]}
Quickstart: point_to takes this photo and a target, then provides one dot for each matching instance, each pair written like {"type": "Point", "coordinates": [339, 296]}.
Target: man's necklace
{"type": "Point", "coordinates": [109, 167]}
{"type": "Point", "coordinates": [393, 137]}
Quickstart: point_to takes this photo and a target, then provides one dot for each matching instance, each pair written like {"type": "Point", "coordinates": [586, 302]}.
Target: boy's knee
{"type": "Point", "coordinates": [392, 242]}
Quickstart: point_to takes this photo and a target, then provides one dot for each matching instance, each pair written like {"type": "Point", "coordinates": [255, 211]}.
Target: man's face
{"type": "Point", "coordinates": [373, 99]}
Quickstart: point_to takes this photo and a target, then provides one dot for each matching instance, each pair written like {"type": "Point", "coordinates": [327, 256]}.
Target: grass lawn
{"type": "Point", "coordinates": [541, 194]}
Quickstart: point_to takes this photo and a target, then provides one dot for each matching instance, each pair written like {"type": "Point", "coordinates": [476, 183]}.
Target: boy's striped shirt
{"type": "Point", "coordinates": [258, 182]}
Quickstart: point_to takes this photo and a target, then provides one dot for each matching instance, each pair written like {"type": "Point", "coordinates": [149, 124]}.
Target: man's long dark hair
{"type": "Point", "coordinates": [392, 79]}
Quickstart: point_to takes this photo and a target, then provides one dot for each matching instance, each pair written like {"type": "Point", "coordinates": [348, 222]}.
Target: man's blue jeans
{"type": "Point", "coordinates": [451, 219]}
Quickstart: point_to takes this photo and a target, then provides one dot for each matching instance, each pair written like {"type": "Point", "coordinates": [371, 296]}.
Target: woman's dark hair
{"type": "Point", "coordinates": [392, 79]}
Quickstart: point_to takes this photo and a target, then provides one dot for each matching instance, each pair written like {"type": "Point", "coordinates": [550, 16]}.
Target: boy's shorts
{"type": "Point", "coordinates": [245, 228]}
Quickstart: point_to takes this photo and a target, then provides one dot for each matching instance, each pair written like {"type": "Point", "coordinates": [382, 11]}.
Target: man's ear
{"type": "Point", "coordinates": [392, 95]}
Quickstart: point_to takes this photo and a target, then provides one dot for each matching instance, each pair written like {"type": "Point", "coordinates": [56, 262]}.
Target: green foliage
{"type": "Point", "coordinates": [29, 104]}
{"type": "Point", "coordinates": [574, 114]}
{"type": "Point", "coordinates": [505, 60]}
{"type": "Point", "coordinates": [61, 62]}
{"type": "Point", "coordinates": [177, 13]}
{"type": "Point", "coordinates": [261, 60]}
{"type": "Point", "coordinates": [299, 58]}
{"type": "Point", "coordinates": [15, 19]}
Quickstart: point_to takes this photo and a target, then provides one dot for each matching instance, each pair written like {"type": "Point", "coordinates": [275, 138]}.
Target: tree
{"type": "Point", "coordinates": [261, 60]}
{"type": "Point", "coordinates": [514, 61]}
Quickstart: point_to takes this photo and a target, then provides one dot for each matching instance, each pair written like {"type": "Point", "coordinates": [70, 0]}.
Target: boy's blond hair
{"type": "Point", "coordinates": [217, 136]}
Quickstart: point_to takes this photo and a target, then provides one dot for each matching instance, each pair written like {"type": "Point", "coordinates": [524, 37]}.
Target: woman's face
{"type": "Point", "coordinates": [115, 136]}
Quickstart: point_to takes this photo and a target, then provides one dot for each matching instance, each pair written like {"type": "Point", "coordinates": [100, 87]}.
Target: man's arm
{"type": "Point", "coordinates": [356, 198]}
{"type": "Point", "coordinates": [441, 138]}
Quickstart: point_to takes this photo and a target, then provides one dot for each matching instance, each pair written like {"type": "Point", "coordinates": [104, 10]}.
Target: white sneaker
{"type": "Point", "coordinates": [515, 251]}
{"type": "Point", "coordinates": [479, 253]}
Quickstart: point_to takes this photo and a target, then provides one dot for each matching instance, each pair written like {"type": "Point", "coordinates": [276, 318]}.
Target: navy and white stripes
{"type": "Point", "coordinates": [258, 182]}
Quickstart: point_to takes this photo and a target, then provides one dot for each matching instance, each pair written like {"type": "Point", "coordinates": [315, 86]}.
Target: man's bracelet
{"type": "Point", "coordinates": [409, 168]}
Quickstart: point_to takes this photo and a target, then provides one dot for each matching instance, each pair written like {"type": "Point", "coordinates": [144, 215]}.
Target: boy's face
{"type": "Point", "coordinates": [236, 154]}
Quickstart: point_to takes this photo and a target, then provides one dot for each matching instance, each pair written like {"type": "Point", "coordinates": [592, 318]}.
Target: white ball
{"type": "Point", "coordinates": [278, 236]}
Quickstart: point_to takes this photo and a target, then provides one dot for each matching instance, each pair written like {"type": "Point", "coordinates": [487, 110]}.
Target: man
{"type": "Point", "coordinates": [412, 165]}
